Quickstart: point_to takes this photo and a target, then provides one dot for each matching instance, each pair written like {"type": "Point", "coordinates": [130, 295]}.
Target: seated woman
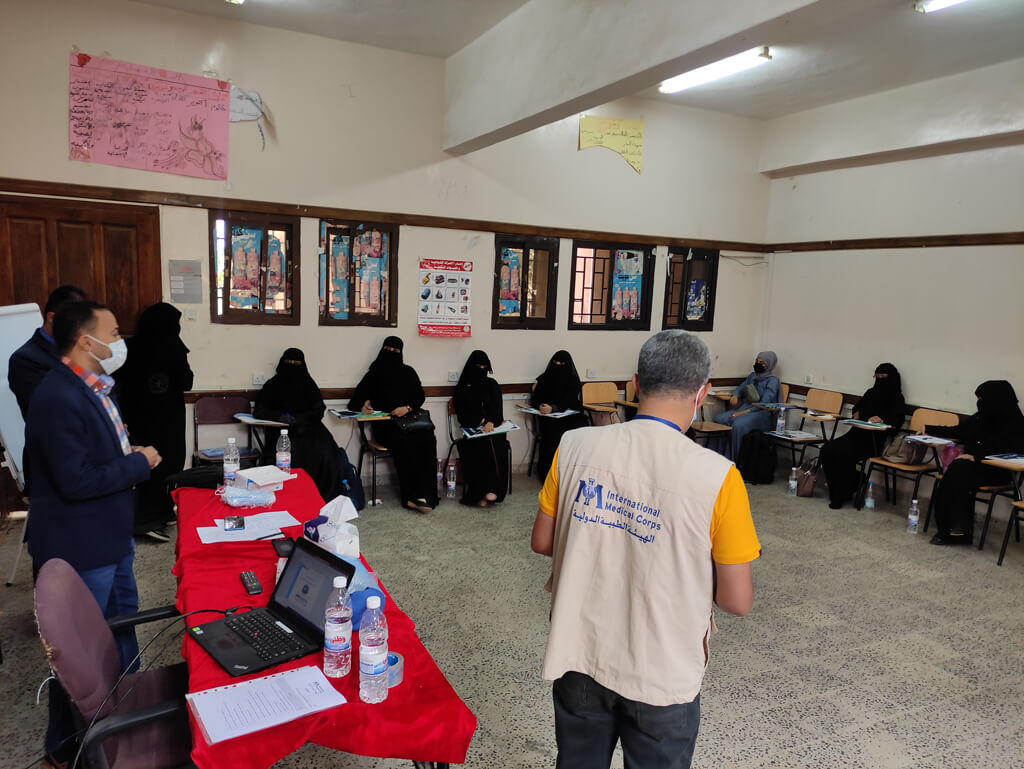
{"type": "Point", "coordinates": [477, 403]}
{"type": "Point", "coordinates": [741, 415]}
{"type": "Point", "coordinates": [557, 389]}
{"type": "Point", "coordinates": [883, 403]}
{"type": "Point", "coordinates": [997, 427]}
{"type": "Point", "coordinates": [391, 385]}
{"type": "Point", "coordinates": [292, 397]}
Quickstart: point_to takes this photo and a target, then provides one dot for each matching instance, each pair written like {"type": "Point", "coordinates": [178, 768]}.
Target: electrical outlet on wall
{"type": "Point", "coordinates": [591, 373]}
{"type": "Point", "coordinates": [453, 376]}
{"type": "Point", "coordinates": [190, 315]}
{"type": "Point", "coordinates": [809, 379]}
{"type": "Point", "coordinates": [259, 379]}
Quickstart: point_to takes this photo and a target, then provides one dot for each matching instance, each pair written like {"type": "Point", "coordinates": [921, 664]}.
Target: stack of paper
{"type": "Point", "coordinates": [258, 526]}
{"type": "Point", "coordinates": [247, 707]}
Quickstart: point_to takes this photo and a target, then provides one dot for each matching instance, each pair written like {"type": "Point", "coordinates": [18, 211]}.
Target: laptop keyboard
{"type": "Point", "coordinates": [265, 636]}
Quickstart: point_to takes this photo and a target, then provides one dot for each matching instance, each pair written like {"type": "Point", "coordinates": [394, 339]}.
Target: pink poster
{"type": "Point", "coordinates": [128, 115]}
{"type": "Point", "coordinates": [445, 297]}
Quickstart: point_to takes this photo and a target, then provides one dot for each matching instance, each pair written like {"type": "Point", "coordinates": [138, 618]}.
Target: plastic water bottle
{"type": "Point", "coordinates": [373, 653]}
{"type": "Point", "coordinates": [284, 452]}
{"type": "Point", "coordinates": [440, 478]}
{"type": "Point", "coordinates": [780, 421]}
{"type": "Point", "coordinates": [338, 631]}
{"type": "Point", "coordinates": [913, 516]}
{"type": "Point", "coordinates": [450, 483]}
{"type": "Point", "coordinates": [869, 497]}
{"type": "Point", "coordinates": [231, 462]}
{"type": "Point", "coordinates": [791, 488]}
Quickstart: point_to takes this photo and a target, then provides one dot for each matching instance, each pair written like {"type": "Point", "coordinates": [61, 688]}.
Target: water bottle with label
{"type": "Point", "coordinates": [450, 482]}
{"type": "Point", "coordinates": [913, 516]}
{"type": "Point", "coordinates": [231, 462]}
{"type": "Point", "coordinates": [791, 488]}
{"type": "Point", "coordinates": [373, 653]}
{"type": "Point", "coordinates": [338, 631]}
{"type": "Point", "coordinates": [869, 497]}
{"type": "Point", "coordinates": [284, 452]}
{"type": "Point", "coordinates": [780, 421]}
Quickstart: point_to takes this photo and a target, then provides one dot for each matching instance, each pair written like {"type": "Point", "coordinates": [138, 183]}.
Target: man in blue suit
{"type": "Point", "coordinates": [31, 362]}
{"type": "Point", "coordinates": [84, 471]}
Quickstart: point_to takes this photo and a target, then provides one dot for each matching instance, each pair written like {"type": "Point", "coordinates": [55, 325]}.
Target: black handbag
{"type": "Point", "coordinates": [414, 421]}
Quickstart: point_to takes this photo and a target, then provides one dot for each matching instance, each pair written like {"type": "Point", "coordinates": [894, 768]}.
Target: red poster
{"type": "Point", "coordinates": [444, 297]}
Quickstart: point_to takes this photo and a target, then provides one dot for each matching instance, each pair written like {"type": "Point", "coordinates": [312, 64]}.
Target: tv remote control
{"type": "Point", "coordinates": [252, 585]}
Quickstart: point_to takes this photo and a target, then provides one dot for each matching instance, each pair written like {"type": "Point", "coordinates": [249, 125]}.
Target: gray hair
{"type": "Point", "coordinates": [673, 362]}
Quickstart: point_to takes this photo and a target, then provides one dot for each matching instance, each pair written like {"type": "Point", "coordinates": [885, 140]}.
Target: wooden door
{"type": "Point", "coordinates": [112, 252]}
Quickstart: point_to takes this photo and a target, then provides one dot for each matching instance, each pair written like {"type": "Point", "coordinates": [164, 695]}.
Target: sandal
{"type": "Point", "coordinates": [419, 505]}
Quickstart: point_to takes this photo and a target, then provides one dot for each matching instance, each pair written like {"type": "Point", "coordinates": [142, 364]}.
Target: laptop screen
{"type": "Point", "coordinates": [307, 581]}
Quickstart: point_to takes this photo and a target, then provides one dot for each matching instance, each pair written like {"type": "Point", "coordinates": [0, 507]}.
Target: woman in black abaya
{"type": "Point", "coordinates": [485, 459]}
{"type": "Point", "coordinates": [391, 385]}
{"type": "Point", "coordinates": [997, 427]}
{"type": "Point", "coordinates": [883, 403]}
{"type": "Point", "coordinates": [292, 397]}
{"type": "Point", "coordinates": [151, 389]}
{"type": "Point", "coordinates": [557, 389]}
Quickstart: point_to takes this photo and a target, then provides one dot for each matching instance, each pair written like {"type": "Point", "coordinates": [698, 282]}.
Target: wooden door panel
{"type": "Point", "coordinates": [75, 263]}
{"type": "Point", "coordinates": [121, 273]}
{"type": "Point", "coordinates": [29, 279]}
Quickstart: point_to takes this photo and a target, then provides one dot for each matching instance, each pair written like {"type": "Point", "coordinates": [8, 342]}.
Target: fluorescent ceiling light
{"type": "Point", "coordinates": [717, 70]}
{"type": "Point", "coordinates": [928, 6]}
{"type": "Point", "coordinates": [235, 2]}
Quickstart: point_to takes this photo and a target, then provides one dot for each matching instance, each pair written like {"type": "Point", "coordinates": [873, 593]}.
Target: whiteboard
{"type": "Point", "coordinates": [17, 324]}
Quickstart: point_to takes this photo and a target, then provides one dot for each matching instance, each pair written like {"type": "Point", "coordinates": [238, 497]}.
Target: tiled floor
{"type": "Point", "coordinates": [866, 647]}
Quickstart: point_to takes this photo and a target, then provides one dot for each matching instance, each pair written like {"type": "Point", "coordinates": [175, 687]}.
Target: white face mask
{"type": "Point", "coordinates": [696, 405]}
{"type": "Point", "coordinates": [118, 355]}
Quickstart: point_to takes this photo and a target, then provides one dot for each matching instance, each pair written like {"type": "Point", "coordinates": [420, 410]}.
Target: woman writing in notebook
{"type": "Point", "coordinates": [882, 403]}
{"type": "Point", "coordinates": [558, 389]}
{"type": "Point", "coordinates": [393, 386]}
{"type": "Point", "coordinates": [760, 386]}
{"type": "Point", "coordinates": [477, 403]}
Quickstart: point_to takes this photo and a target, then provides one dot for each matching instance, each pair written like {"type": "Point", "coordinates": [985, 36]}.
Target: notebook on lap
{"type": "Point", "coordinates": [291, 625]}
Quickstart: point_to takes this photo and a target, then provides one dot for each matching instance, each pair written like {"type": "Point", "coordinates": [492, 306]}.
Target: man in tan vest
{"type": "Point", "coordinates": [645, 529]}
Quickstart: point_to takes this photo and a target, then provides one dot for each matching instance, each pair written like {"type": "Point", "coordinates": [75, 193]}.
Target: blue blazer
{"type": "Point", "coordinates": [82, 501]}
{"type": "Point", "coordinates": [27, 367]}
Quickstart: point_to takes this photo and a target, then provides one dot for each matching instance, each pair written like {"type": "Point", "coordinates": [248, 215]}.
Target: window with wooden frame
{"type": "Point", "coordinates": [525, 281]}
{"type": "Point", "coordinates": [358, 274]}
{"type": "Point", "coordinates": [254, 268]}
{"type": "Point", "coordinates": [611, 286]}
{"type": "Point", "coordinates": [690, 289]}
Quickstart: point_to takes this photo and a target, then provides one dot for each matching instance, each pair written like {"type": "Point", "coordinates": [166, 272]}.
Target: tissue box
{"type": "Point", "coordinates": [263, 478]}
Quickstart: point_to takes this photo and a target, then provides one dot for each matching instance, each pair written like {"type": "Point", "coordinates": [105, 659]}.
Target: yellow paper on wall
{"type": "Point", "coordinates": [617, 134]}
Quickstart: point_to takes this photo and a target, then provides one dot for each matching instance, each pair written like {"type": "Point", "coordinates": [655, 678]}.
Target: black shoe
{"type": "Point", "coordinates": [159, 535]}
{"type": "Point", "coordinates": [948, 541]}
{"type": "Point", "coordinates": [834, 505]}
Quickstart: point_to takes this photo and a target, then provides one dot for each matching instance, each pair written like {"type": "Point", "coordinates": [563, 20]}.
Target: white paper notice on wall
{"type": "Point", "coordinates": [186, 281]}
{"type": "Point", "coordinates": [444, 297]}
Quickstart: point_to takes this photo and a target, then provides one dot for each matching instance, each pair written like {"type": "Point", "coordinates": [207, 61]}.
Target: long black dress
{"type": "Point", "coordinates": [560, 388]}
{"type": "Point", "coordinates": [839, 457]}
{"type": "Point", "coordinates": [485, 465]}
{"type": "Point", "coordinates": [389, 384]}
{"type": "Point", "coordinates": [997, 427]}
{"type": "Point", "coordinates": [293, 397]}
{"type": "Point", "coordinates": [151, 389]}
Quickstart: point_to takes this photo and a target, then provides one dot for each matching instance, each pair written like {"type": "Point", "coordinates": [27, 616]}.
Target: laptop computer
{"type": "Point", "coordinates": [291, 625]}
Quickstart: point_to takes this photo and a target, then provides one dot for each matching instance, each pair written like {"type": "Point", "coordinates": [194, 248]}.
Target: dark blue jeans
{"type": "Point", "coordinates": [590, 719]}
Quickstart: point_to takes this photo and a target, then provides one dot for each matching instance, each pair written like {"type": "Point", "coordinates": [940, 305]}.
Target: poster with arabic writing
{"type": "Point", "coordinates": [444, 297]}
{"type": "Point", "coordinates": [129, 115]}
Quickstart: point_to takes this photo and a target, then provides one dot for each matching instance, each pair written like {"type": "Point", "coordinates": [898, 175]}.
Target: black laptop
{"type": "Point", "coordinates": [290, 626]}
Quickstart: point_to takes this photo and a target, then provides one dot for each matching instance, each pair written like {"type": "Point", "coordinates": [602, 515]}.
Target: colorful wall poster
{"type": "Point", "coordinates": [697, 299]}
{"type": "Point", "coordinates": [246, 243]}
{"type": "Point", "coordinates": [627, 284]}
{"type": "Point", "coordinates": [625, 137]}
{"type": "Point", "coordinates": [509, 282]}
{"type": "Point", "coordinates": [129, 115]}
{"type": "Point", "coordinates": [444, 299]}
{"type": "Point", "coordinates": [370, 266]}
{"type": "Point", "coordinates": [334, 271]}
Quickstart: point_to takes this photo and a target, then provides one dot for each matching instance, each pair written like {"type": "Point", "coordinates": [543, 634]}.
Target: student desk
{"type": "Point", "coordinates": [422, 719]}
{"type": "Point", "coordinates": [1016, 468]}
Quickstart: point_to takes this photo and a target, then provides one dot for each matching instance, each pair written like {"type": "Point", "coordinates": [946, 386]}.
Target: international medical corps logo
{"type": "Point", "coordinates": [590, 490]}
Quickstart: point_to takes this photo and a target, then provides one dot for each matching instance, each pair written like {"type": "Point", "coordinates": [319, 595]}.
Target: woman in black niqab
{"type": "Point", "coordinates": [558, 389]}
{"type": "Point", "coordinates": [881, 403]}
{"type": "Point", "coordinates": [293, 397]}
{"type": "Point", "coordinates": [996, 428]}
{"type": "Point", "coordinates": [485, 460]}
{"type": "Point", "coordinates": [392, 386]}
{"type": "Point", "coordinates": [151, 389]}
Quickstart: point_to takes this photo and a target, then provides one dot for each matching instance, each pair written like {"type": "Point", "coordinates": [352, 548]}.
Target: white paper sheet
{"type": "Point", "coordinates": [237, 709]}
{"type": "Point", "coordinates": [258, 526]}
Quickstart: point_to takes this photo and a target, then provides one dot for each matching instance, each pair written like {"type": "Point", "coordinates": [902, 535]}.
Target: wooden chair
{"type": "Point", "coordinates": [895, 470]}
{"type": "Point", "coordinates": [220, 410]}
{"type": "Point", "coordinates": [599, 402]}
{"type": "Point", "coordinates": [455, 436]}
{"type": "Point", "coordinates": [376, 451]}
{"type": "Point", "coordinates": [629, 403]}
{"type": "Point", "coordinates": [826, 406]}
{"type": "Point", "coordinates": [1016, 513]}
{"type": "Point", "coordinates": [983, 494]}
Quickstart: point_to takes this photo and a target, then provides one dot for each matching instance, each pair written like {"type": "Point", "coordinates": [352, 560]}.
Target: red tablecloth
{"type": "Point", "coordinates": [422, 719]}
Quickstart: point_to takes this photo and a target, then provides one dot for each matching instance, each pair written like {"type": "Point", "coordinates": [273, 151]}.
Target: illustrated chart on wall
{"type": "Point", "coordinates": [444, 297]}
{"type": "Point", "coordinates": [508, 289]}
{"type": "Point", "coordinates": [627, 284]}
{"type": "Point", "coordinates": [130, 115]}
